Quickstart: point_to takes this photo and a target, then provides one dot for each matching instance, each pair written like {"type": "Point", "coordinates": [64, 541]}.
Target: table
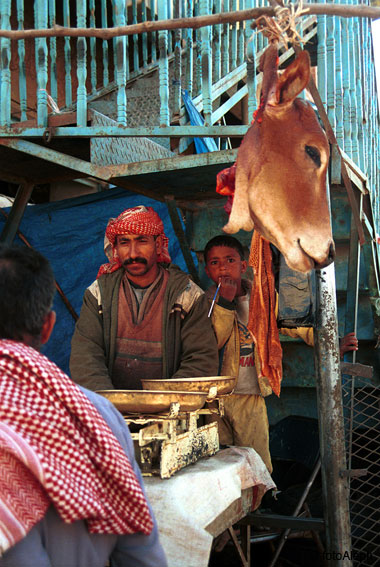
{"type": "Point", "coordinates": [202, 500]}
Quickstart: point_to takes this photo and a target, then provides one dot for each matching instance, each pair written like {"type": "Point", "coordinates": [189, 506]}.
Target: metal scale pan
{"type": "Point", "coordinates": [147, 402]}
{"type": "Point", "coordinates": [224, 384]}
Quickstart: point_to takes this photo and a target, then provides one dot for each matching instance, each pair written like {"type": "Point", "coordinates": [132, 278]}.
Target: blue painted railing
{"type": "Point", "coordinates": [207, 62]}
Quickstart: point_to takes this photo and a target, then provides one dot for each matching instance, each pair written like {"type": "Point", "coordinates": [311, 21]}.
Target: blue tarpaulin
{"type": "Point", "coordinates": [70, 234]}
{"type": "Point", "coordinates": [202, 145]}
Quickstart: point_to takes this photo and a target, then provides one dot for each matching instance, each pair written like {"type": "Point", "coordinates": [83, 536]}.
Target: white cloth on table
{"type": "Point", "coordinates": [186, 503]}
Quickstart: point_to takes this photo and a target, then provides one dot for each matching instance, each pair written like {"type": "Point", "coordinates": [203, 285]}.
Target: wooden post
{"type": "Point", "coordinates": [180, 234]}
{"type": "Point", "coordinates": [206, 66]}
{"type": "Point", "coordinates": [121, 65]}
{"type": "Point", "coordinates": [21, 62]}
{"type": "Point", "coordinates": [11, 226]}
{"type": "Point", "coordinates": [81, 67]}
{"type": "Point", "coordinates": [163, 67]}
{"type": "Point", "coordinates": [67, 55]}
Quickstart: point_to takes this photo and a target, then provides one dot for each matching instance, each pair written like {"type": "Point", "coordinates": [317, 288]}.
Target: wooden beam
{"type": "Point", "coordinates": [233, 131]}
{"type": "Point", "coordinates": [14, 218]}
{"type": "Point", "coordinates": [341, 10]}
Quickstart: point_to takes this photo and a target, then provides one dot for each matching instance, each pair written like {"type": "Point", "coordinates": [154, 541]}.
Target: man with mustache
{"type": "Point", "coordinates": [142, 317]}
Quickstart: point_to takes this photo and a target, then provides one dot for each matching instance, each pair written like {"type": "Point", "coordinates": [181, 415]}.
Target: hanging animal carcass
{"type": "Point", "coordinates": [281, 170]}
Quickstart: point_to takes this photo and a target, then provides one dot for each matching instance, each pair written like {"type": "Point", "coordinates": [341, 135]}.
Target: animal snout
{"type": "Point", "coordinates": [329, 258]}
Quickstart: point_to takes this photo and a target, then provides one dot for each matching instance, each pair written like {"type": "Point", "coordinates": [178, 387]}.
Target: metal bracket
{"type": "Point", "coordinates": [353, 473]}
{"type": "Point", "coordinates": [48, 134]}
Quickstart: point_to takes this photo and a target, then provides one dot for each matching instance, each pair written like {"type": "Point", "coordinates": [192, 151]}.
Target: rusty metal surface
{"type": "Point", "coordinates": [189, 447]}
{"type": "Point", "coordinates": [165, 444]}
{"type": "Point", "coordinates": [145, 402]}
{"type": "Point", "coordinates": [224, 384]}
{"type": "Point", "coordinates": [330, 411]}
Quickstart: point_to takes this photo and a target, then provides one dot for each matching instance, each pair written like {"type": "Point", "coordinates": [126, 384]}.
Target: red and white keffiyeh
{"type": "Point", "coordinates": [23, 501]}
{"type": "Point", "coordinates": [55, 444]}
{"type": "Point", "coordinates": [138, 220]}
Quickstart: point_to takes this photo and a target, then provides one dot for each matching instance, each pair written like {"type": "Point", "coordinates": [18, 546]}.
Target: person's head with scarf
{"type": "Point", "coordinates": [136, 242]}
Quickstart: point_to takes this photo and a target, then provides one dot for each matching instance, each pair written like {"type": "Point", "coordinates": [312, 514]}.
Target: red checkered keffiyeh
{"type": "Point", "coordinates": [138, 220]}
{"type": "Point", "coordinates": [56, 434]}
{"type": "Point", "coordinates": [23, 501]}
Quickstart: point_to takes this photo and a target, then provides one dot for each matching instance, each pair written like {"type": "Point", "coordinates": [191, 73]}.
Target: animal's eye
{"type": "Point", "coordinates": [313, 152]}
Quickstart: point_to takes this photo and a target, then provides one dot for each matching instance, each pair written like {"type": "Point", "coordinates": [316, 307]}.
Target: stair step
{"type": "Point", "coordinates": [116, 151]}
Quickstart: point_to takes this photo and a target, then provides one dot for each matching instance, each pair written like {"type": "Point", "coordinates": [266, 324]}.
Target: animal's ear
{"type": "Point", "coordinates": [293, 80]}
{"type": "Point", "coordinates": [268, 65]}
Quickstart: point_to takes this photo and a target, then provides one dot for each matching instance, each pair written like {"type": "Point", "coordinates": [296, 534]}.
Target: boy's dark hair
{"type": "Point", "coordinates": [224, 240]}
{"type": "Point", "coordinates": [27, 289]}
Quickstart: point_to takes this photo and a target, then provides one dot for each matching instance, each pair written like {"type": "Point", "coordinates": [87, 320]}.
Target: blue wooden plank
{"type": "Point", "coordinates": [198, 52]}
{"type": "Point", "coordinates": [234, 131]}
{"type": "Point", "coordinates": [217, 46]}
{"type": "Point", "coordinates": [241, 36]}
{"type": "Point", "coordinates": [67, 54]}
{"type": "Point", "coordinates": [104, 21]}
{"type": "Point", "coordinates": [366, 89]}
{"type": "Point", "coordinates": [347, 146]}
{"type": "Point", "coordinates": [190, 51]}
{"type": "Point", "coordinates": [41, 50]}
{"type": "Point", "coordinates": [330, 48]}
{"type": "Point", "coordinates": [229, 104]}
{"type": "Point", "coordinates": [81, 66]}
{"type": "Point", "coordinates": [251, 46]}
{"type": "Point", "coordinates": [322, 59]}
{"type": "Point", "coordinates": [226, 42]}
{"type": "Point", "coordinates": [353, 118]}
{"type": "Point", "coordinates": [92, 46]}
{"type": "Point", "coordinates": [53, 54]}
{"type": "Point", "coordinates": [53, 156]}
{"type": "Point", "coordinates": [121, 64]}
{"type": "Point", "coordinates": [136, 65]}
{"type": "Point", "coordinates": [358, 45]}
{"type": "Point", "coordinates": [163, 67]}
{"type": "Point", "coordinates": [169, 16]}
{"type": "Point", "coordinates": [233, 60]}
{"type": "Point", "coordinates": [177, 62]}
{"type": "Point", "coordinates": [335, 159]}
{"type": "Point", "coordinates": [338, 84]}
{"type": "Point", "coordinates": [206, 65]}
{"type": "Point", "coordinates": [154, 34]}
{"type": "Point", "coordinates": [144, 37]}
{"type": "Point", "coordinates": [21, 62]}
{"type": "Point", "coordinates": [5, 46]}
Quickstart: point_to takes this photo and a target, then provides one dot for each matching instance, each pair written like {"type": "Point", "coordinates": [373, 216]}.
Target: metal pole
{"type": "Point", "coordinates": [351, 319]}
{"type": "Point", "coordinates": [331, 427]}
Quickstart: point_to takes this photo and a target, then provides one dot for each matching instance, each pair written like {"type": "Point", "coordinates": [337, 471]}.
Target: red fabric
{"type": "Point", "coordinates": [262, 313]}
{"type": "Point", "coordinates": [138, 220]}
{"type": "Point", "coordinates": [82, 468]}
{"type": "Point", "coordinates": [23, 501]}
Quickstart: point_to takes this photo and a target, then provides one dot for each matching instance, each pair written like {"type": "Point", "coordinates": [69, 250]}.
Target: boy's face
{"type": "Point", "coordinates": [223, 261]}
